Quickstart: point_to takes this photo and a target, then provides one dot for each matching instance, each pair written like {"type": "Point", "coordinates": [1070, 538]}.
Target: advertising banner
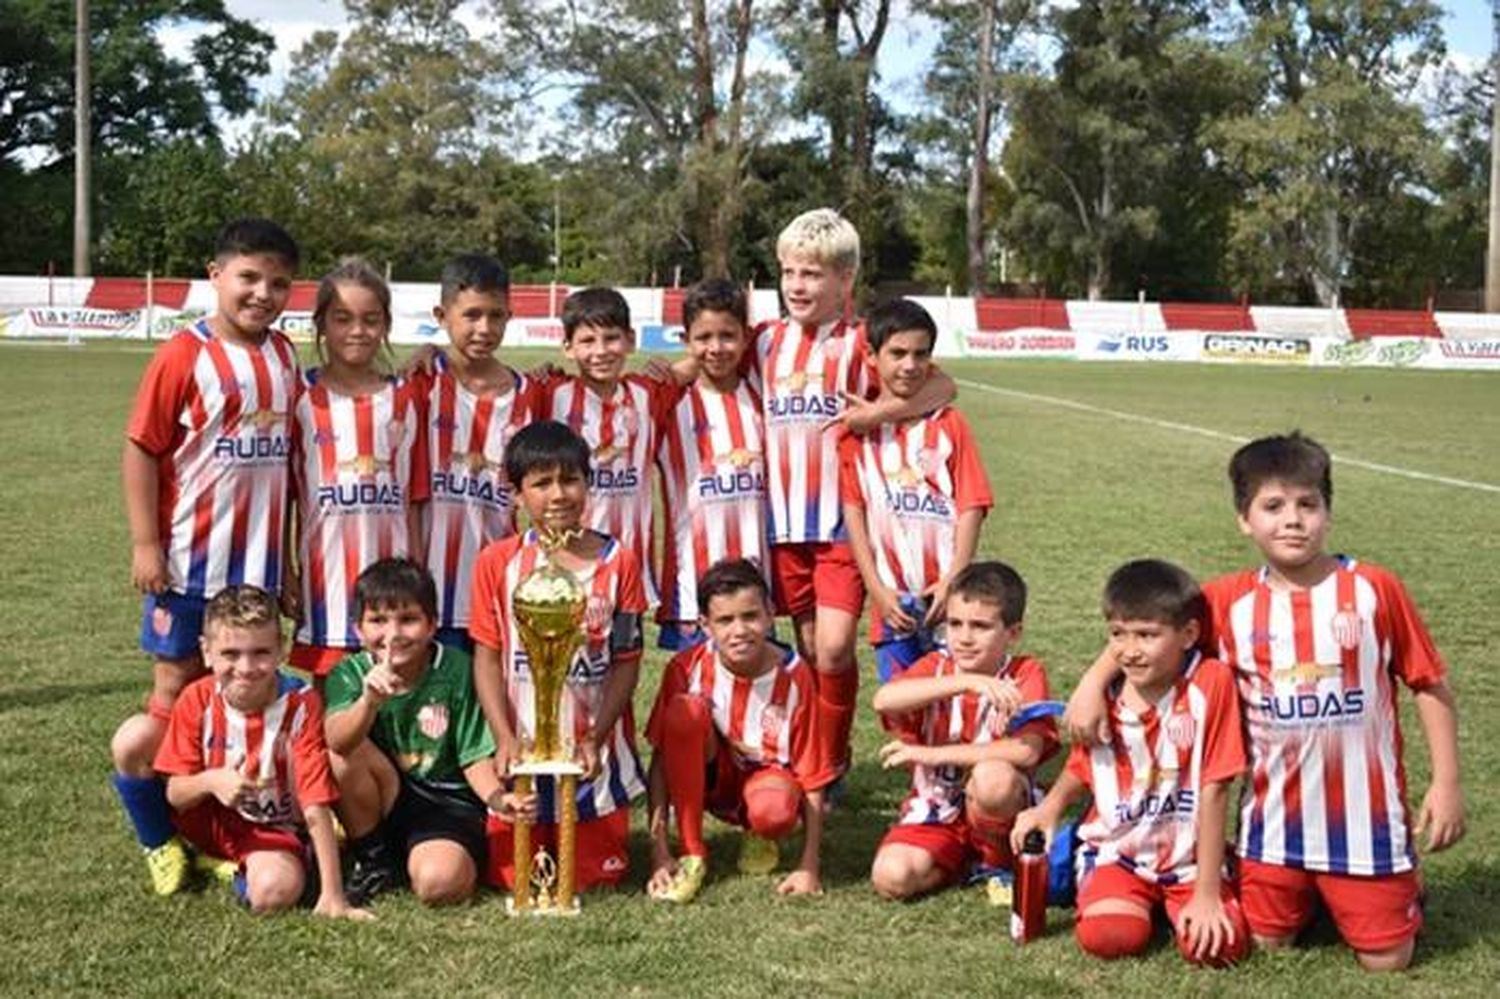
{"type": "Point", "coordinates": [1018, 343]}
{"type": "Point", "coordinates": [1235, 347]}
{"type": "Point", "coordinates": [1392, 352]}
{"type": "Point", "coordinates": [1138, 347]}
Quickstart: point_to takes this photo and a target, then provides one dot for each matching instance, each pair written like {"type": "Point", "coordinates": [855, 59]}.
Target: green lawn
{"type": "Point", "coordinates": [1076, 493]}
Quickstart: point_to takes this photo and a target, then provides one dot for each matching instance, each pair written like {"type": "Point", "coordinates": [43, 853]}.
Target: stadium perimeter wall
{"type": "Point", "coordinates": [140, 309]}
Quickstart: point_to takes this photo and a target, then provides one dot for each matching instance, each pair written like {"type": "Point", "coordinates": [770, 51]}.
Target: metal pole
{"type": "Point", "coordinates": [81, 151]}
{"type": "Point", "coordinates": [1492, 260]}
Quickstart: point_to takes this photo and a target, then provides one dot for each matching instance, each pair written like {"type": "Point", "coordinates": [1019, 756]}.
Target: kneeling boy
{"type": "Point", "coordinates": [1154, 834]}
{"type": "Point", "coordinates": [412, 752]}
{"type": "Point", "coordinates": [951, 709]}
{"type": "Point", "coordinates": [733, 732]}
{"type": "Point", "coordinates": [245, 763]}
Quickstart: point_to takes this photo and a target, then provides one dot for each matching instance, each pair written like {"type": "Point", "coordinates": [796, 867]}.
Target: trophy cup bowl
{"type": "Point", "coordinates": [548, 605]}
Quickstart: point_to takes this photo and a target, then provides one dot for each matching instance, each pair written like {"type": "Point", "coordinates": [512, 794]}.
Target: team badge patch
{"type": "Point", "coordinates": [596, 614]}
{"type": "Point", "coordinates": [1347, 627]}
{"type": "Point", "coordinates": [161, 621]}
{"type": "Point", "coordinates": [1181, 729]}
{"type": "Point", "coordinates": [771, 720]}
{"type": "Point", "coordinates": [432, 719]}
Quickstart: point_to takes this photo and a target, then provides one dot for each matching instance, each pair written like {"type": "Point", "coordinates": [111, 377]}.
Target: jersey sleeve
{"type": "Point", "coordinates": [1219, 596]}
{"type": "Point", "coordinates": [1080, 763]}
{"type": "Point", "coordinates": [314, 774]}
{"type": "Point", "coordinates": [488, 586]}
{"type": "Point", "coordinates": [625, 635]}
{"type": "Point", "coordinates": [1414, 656]}
{"type": "Point", "coordinates": [850, 489]}
{"type": "Point", "coordinates": [971, 486]}
{"type": "Point", "coordinates": [414, 444]}
{"type": "Point", "coordinates": [181, 750]}
{"type": "Point", "coordinates": [344, 685]}
{"type": "Point", "coordinates": [1224, 756]}
{"type": "Point", "coordinates": [674, 681]}
{"type": "Point", "coordinates": [163, 392]}
{"type": "Point", "coordinates": [1031, 677]}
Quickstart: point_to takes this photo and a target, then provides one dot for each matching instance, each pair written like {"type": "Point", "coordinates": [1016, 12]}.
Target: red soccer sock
{"type": "Point", "coordinates": [991, 837]}
{"type": "Point", "coordinates": [688, 725]}
{"type": "Point", "coordinates": [1113, 935]}
{"type": "Point", "coordinates": [838, 695]}
{"type": "Point", "coordinates": [773, 804]}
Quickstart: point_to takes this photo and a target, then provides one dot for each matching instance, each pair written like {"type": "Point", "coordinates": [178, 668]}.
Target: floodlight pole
{"type": "Point", "coordinates": [81, 143]}
{"type": "Point", "coordinates": [1492, 259]}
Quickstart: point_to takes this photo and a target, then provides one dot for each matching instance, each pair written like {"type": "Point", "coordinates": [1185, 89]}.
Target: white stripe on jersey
{"type": "Point", "coordinates": [753, 714]}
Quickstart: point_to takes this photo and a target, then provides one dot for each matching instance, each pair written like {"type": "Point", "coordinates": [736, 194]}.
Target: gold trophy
{"type": "Point", "coordinates": [548, 605]}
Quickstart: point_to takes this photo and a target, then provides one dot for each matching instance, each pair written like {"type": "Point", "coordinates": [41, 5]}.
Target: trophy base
{"type": "Point", "coordinates": [543, 912]}
{"type": "Point", "coordinates": [546, 768]}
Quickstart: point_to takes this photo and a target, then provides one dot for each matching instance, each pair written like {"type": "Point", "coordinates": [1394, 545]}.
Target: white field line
{"type": "Point", "coordinates": [1188, 428]}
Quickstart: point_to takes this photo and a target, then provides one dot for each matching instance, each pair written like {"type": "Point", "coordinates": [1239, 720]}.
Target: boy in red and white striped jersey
{"type": "Point", "coordinates": [970, 774]}
{"type": "Point", "coordinates": [1154, 833]}
{"type": "Point", "coordinates": [205, 473]}
{"type": "Point", "coordinates": [712, 459]}
{"type": "Point", "coordinates": [247, 771]}
{"type": "Point", "coordinates": [474, 404]}
{"type": "Point", "coordinates": [734, 732]}
{"type": "Point", "coordinates": [1317, 643]}
{"type": "Point", "coordinates": [914, 493]}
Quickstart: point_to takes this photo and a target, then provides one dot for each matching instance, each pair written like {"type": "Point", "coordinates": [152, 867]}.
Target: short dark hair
{"type": "Point", "coordinates": [715, 295]}
{"type": "Point", "coordinates": [241, 606]}
{"type": "Point", "coordinates": [473, 272]}
{"type": "Point", "coordinates": [728, 577]}
{"type": "Point", "coordinates": [1291, 458]}
{"type": "Point", "coordinates": [994, 583]}
{"type": "Point", "coordinates": [900, 315]}
{"type": "Point", "coordinates": [1150, 589]}
{"type": "Point", "coordinates": [604, 308]}
{"type": "Point", "coordinates": [251, 236]}
{"type": "Point", "coordinates": [542, 445]}
{"type": "Point", "coordinates": [391, 582]}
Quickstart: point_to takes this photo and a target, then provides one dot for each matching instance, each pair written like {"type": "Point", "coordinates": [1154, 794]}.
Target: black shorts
{"type": "Point", "coordinates": [422, 813]}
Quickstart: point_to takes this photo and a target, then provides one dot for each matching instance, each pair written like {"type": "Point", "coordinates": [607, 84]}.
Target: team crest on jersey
{"type": "Point", "coordinates": [596, 615]}
{"type": "Point", "coordinates": [1181, 729]}
{"type": "Point", "coordinates": [627, 421]}
{"type": "Point", "coordinates": [1347, 627]}
{"type": "Point", "coordinates": [161, 621]}
{"type": "Point", "coordinates": [395, 432]}
{"type": "Point", "coordinates": [363, 465]}
{"type": "Point", "coordinates": [771, 720]}
{"type": "Point", "coordinates": [432, 719]}
{"type": "Point", "coordinates": [834, 348]}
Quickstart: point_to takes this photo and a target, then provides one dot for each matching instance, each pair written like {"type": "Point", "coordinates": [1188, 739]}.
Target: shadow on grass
{"type": "Point", "coordinates": [56, 693]}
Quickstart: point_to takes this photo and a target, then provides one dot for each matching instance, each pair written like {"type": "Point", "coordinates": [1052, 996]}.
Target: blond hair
{"type": "Point", "coordinates": [241, 606]}
{"type": "Point", "coordinates": [825, 235]}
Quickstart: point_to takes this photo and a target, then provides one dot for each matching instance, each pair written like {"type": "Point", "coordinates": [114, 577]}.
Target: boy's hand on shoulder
{"type": "Point", "coordinates": [1443, 816]}
{"type": "Point", "coordinates": [148, 568]}
{"type": "Point", "coordinates": [887, 604]}
{"type": "Point", "coordinates": [659, 370]}
{"type": "Point", "coordinates": [1086, 719]}
{"type": "Point", "coordinates": [800, 882]}
{"type": "Point", "coordinates": [902, 754]}
{"type": "Point", "coordinates": [858, 415]}
{"type": "Point", "coordinates": [546, 372]}
{"type": "Point", "coordinates": [422, 361]}
{"type": "Point", "coordinates": [332, 906]}
{"type": "Point", "coordinates": [1206, 926]}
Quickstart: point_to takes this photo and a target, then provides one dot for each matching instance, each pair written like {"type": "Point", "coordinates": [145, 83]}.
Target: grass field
{"type": "Point", "coordinates": [1077, 492]}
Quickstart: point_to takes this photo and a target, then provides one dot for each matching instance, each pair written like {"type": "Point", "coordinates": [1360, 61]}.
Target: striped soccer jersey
{"type": "Point", "coordinates": [215, 415]}
{"type": "Point", "coordinates": [470, 502]}
{"type": "Point", "coordinates": [914, 481]}
{"type": "Point", "coordinates": [1316, 671]}
{"type": "Point", "coordinates": [804, 371]}
{"type": "Point", "coordinates": [937, 792]}
{"type": "Point", "coordinates": [766, 720]}
{"type": "Point", "coordinates": [712, 461]}
{"type": "Point", "coordinates": [622, 435]}
{"type": "Point", "coordinates": [613, 584]}
{"type": "Point", "coordinates": [1147, 781]}
{"type": "Point", "coordinates": [280, 748]}
{"type": "Point", "coordinates": [359, 463]}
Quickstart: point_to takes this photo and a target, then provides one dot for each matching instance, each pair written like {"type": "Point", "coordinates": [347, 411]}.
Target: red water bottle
{"type": "Point", "coordinates": [1028, 907]}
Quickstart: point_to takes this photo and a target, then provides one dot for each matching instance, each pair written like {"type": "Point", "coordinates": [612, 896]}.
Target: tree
{"type": "Point", "coordinates": [1335, 140]}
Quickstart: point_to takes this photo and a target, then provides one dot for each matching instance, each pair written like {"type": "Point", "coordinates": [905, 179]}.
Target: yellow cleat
{"type": "Point", "coordinates": [169, 866]}
{"type": "Point", "coordinates": [997, 891]}
{"type": "Point", "coordinates": [758, 855]}
{"type": "Point", "coordinates": [686, 882]}
{"type": "Point", "coordinates": [221, 870]}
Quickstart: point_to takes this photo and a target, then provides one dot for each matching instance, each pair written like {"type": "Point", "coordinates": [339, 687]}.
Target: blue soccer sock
{"type": "Point", "coordinates": [145, 802]}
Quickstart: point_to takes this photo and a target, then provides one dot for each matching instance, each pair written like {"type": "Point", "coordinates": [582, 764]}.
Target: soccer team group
{"type": "Point", "coordinates": [804, 466]}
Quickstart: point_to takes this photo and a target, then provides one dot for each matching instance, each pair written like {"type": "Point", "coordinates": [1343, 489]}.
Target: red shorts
{"type": "Point", "coordinates": [1115, 882]}
{"type": "Point", "coordinates": [951, 845]}
{"type": "Point", "coordinates": [217, 831]}
{"type": "Point", "coordinates": [319, 660]}
{"type": "Point", "coordinates": [815, 574]}
{"type": "Point", "coordinates": [602, 855]}
{"type": "Point", "coordinates": [1372, 913]}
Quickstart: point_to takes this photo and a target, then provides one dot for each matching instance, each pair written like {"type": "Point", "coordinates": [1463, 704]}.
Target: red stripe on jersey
{"type": "Point", "coordinates": [328, 459]}
{"type": "Point", "coordinates": [217, 735]}
{"type": "Point", "coordinates": [228, 385]}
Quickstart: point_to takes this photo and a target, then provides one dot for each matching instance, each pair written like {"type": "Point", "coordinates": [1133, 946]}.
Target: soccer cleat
{"type": "Point", "coordinates": [758, 855]}
{"type": "Point", "coordinates": [221, 870]}
{"type": "Point", "coordinates": [372, 872]}
{"type": "Point", "coordinates": [997, 889]}
{"type": "Point", "coordinates": [691, 870]}
{"type": "Point", "coordinates": [169, 867]}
